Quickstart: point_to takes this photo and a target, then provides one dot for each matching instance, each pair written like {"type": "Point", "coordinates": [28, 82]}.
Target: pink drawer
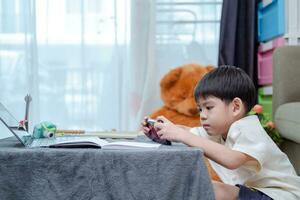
{"type": "Point", "coordinates": [264, 60]}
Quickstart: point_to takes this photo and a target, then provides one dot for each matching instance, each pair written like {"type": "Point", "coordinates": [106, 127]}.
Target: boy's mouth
{"type": "Point", "coordinates": [206, 126]}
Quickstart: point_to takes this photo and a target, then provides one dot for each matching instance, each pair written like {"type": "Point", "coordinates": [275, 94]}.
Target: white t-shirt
{"type": "Point", "coordinates": [273, 174]}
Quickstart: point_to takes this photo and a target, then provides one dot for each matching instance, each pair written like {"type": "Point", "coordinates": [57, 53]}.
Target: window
{"type": "Point", "coordinates": [188, 31]}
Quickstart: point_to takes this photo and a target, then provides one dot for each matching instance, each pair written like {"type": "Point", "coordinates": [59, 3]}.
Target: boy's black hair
{"type": "Point", "coordinates": [227, 82]}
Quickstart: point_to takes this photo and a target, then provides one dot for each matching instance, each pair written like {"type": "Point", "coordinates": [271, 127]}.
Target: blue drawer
{"type": "Point", "coordinates": [270, 19]}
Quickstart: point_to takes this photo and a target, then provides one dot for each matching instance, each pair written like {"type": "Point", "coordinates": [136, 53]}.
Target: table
{"type": "Point", "coordinates": [167, 173]}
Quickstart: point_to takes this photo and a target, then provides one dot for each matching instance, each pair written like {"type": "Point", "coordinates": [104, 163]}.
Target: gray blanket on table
{"type": "Point", "coordinates": [169, 173]}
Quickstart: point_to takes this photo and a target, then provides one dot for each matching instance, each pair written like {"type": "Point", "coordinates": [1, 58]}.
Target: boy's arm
{"type": "Point", "coordinates": [222, 155]}
{"type": "Point", "coordinates": [183, 127]}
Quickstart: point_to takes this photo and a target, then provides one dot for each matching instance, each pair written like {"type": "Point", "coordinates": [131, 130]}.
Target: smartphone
{"type": "Point", "coordinates": [152, 134]}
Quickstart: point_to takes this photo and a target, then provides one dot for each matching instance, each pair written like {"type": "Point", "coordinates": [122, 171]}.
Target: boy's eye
{"type": "Point", "coordinates": [209, 107]}
{"type": "Point", "coordinates": [199, 108]}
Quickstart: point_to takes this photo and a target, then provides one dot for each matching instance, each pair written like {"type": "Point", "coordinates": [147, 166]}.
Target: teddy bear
{"type": "Point", "coordinates": [177, 93]}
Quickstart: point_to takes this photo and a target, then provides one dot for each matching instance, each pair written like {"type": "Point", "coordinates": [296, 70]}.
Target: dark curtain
{"type": "Point", "coordinates": [238, 36]}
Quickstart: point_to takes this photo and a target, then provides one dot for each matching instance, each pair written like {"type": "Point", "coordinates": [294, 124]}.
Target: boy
{"type": "Point", "coordinates": [240, 151]}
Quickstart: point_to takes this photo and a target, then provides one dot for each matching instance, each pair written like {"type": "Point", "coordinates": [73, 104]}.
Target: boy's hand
{"type": "Point", "coordinates": [144, 127]}
{"type": "Point", "coordinates": [151, 132]}
{"type": "Point", "coordinates": [169, 131]}
{"type": "Point", "coordinates": [163, 119]}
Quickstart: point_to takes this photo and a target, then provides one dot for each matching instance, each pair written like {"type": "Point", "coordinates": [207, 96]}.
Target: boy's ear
{"type": "Point", "coordinates": [237, 106]}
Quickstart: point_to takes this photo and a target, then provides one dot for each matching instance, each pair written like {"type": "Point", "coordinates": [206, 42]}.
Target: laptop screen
{"type": "Point", "coordinates": [12, 124]}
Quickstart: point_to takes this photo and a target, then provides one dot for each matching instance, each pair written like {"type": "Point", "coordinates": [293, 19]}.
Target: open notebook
{"type": "Point", "coordinates": [97, 142]}
{"type": "Point", "coordinates": [27, 139]}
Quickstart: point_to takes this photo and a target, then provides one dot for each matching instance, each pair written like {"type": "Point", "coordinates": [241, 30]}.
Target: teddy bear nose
{"type": "Point", "coordinates": [194, 111]}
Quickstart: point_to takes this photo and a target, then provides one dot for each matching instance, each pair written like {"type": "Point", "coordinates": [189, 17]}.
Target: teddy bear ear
{"type": "Point", "coordinates": [210, 67]}
{"type": "Point", "coordinates": [170, 78]}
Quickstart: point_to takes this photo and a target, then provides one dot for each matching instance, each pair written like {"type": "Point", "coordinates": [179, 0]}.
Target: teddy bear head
{"type": "Point", "coordinates": [177, 88]}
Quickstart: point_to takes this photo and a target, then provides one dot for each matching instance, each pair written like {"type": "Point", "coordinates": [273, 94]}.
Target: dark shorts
{"type": "Point", "coordinates": [251, 194]}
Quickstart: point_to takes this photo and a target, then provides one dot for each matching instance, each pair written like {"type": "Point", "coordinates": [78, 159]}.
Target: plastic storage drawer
{"type": "Point", "coordinates": [265, 60]}
{"type": "Point", "coordinates": [271, 19]}
{"type": "Point", "coordinates": [265, 100]}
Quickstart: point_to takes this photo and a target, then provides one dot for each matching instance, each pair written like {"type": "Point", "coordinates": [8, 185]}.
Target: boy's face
{"type": "Point", "coordinates": [216, 115]}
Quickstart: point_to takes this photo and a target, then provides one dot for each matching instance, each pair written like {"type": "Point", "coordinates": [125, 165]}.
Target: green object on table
{"type": "Point", "coordinates": [44, 130]}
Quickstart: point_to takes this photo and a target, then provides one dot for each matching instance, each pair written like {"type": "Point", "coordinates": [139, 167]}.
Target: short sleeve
{"type": "Point", "coordinates": [249, 137]}
{"type": "Point", "coordinates": [255, 150]}
{"type": "Point", "coordinates": [200, 131]}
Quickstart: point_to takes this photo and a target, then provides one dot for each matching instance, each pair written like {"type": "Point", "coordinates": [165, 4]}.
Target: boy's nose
{"type": "Point", "coordinates": [203, 116]}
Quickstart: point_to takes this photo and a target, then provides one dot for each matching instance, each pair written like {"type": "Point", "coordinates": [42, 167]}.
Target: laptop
{"type": "Point", "coordinates": [21, 132]}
